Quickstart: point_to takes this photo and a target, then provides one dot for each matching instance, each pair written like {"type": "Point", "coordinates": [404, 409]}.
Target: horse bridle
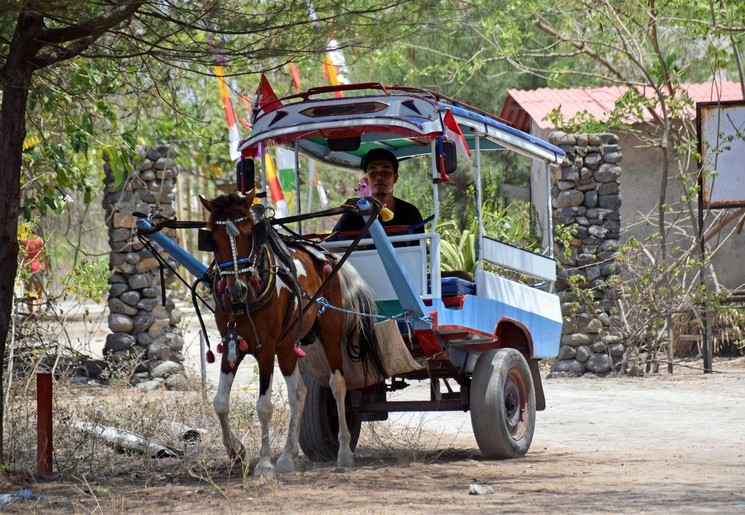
{"type": "Point", "coordinates": [259, 259]}
{"type": "Point", "coordinates": [233, 233]}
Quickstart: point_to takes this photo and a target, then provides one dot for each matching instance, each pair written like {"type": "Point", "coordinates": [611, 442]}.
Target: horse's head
{"type": "Point", "coordinates": [231, 224]}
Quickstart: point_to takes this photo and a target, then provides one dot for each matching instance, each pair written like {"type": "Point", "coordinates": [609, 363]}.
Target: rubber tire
{"type": "Point", "coordinates": [319, 428]}
{"type": "Point", "coordinates": [502, 400]}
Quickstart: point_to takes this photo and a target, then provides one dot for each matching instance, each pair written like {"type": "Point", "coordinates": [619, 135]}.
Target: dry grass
{"type": "Point", "coordinates": [95, 477]}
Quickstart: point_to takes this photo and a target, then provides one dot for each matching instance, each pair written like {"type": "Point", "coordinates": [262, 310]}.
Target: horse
{"type": "Point", "coordinates": [262, 289]}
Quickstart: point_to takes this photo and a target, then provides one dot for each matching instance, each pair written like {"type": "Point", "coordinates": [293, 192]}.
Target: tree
{"type": "Point", "coordinates": [38, 39]}
{"type": "Point", "coordinates": [449, 56]}
{"type": "Point", "coordinates": [652, 48]}
{"type": "Point", "coordinates": [637, 44]}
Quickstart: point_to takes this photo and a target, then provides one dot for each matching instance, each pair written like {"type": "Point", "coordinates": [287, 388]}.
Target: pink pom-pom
{"type": "Point", "coordinates": [298, 351]}
{"type": "Point", "coordinates": [327, 269]}
{"type": "Point", "coordinates": [210, 357]}
{"type": "Point", "coordinates": [242, 344]}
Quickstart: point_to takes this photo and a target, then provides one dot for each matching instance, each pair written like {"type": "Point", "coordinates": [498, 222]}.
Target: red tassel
{"type": "Point", "coordinates": [221, 286]}
{"type": "Point", "coordinates": [210, 357]}
{"type": "Point", "coordinates": [255, 283]}
{"type": "Point", "coordinates": [300, 352]}
{"type": "Point", "coordinates": [220, 348]}
{"type": "Point", "coordinates": [242, 345]}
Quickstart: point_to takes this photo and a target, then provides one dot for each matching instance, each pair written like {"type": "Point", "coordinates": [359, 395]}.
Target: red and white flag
{"type": "Point", "coordinates": [454, 134]}
{"type": "Point", "coordinates": [266, 99]}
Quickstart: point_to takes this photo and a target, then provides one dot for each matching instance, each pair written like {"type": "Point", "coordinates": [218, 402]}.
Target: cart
{"type": "Point", "coordinates": [479, 342]}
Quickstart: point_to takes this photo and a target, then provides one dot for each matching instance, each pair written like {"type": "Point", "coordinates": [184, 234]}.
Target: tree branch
{"type": "Point", "coordinates": [92, 26]}
{"type": "Point", "coordinates": [80, 35]}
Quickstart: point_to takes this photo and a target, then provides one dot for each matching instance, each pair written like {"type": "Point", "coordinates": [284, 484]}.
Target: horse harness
{"type": "Point", "coordinates": [269, 256]}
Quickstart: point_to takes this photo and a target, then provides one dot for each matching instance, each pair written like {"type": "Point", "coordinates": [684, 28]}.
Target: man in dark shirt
{"type": "Point", "coordinates": [381, 173]}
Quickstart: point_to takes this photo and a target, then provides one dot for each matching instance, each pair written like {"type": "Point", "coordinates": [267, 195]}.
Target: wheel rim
{"type": "Point", "coordinates": [515, 404]}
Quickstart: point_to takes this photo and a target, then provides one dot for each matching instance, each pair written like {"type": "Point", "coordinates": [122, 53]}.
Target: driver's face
{"type": "Point", "coordinates": [381, 177]}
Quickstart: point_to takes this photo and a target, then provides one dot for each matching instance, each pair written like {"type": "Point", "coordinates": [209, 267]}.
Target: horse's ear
{"type": "Point", "coordinates": [249, 197]}
{"type": "Point", "coordinates": [206, 203]}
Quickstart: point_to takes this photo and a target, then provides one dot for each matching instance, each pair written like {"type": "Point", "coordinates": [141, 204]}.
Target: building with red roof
{"type": "Point", "coordinates": [640, 182]}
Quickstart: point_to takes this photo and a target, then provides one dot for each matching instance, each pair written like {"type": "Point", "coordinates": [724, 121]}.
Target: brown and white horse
{"type": "Point", "coordinates": [260, 289]}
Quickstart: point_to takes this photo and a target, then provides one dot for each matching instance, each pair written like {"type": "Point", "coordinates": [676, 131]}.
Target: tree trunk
{"type": "Point", "coordinates": [15, 80]}
{"type": "Point", "coordinates": [13, 130]}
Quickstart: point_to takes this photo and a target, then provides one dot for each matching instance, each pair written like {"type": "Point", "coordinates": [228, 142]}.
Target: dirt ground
{"type": "Point", "coordinates": [658, 444]}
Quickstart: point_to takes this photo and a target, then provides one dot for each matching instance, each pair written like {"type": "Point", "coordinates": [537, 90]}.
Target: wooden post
{"type": "Point", "coordinates": [44, 424]}
{"type": "Point", "coordinates": [188, 213]}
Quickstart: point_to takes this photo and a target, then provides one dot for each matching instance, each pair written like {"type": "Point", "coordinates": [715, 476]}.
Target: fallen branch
{"type": "Point", "coordinates": [122, 439]}
{"type": "Point", "coordinates": [184, 432]}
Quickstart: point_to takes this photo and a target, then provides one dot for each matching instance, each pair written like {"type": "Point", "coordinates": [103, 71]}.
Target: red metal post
{"type": "Point", "coordinates": [44, 424]}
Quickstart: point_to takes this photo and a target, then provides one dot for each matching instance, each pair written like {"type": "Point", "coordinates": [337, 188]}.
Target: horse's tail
{"type": "Point", "coordinates": [359, 330]}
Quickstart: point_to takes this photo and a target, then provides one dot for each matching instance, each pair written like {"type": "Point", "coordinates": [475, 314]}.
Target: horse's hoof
{"type": "Point", "coordinates": [237, 453]}
{"type": "Point", "coordinates": [285, 465]}
{"type": "Point", "coordinates": [264, 469]}
{"type": "Point", "coordinates": [345, 461]}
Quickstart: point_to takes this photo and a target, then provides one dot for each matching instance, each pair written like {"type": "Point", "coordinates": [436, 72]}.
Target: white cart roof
{"type": "Point", "coordinates": [402, 120]}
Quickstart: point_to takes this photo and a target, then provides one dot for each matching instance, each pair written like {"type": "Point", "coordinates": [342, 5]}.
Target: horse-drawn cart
{"type": "Point", "coordinates": [477, 340]}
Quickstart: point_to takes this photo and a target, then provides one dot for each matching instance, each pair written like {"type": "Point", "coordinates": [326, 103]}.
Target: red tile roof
{"type": "Point", "coordinates": [521, 105]}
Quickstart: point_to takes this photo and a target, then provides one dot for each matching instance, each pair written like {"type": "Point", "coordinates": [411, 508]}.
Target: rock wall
{"type": "Point", "coordinates": [145, 334]}
{"type": "Point", "coordinates": [586, 204]}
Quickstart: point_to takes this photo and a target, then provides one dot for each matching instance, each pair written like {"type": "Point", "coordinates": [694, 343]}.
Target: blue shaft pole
{"type": "Point", "coordinates": [407, 293]}
{"type": "Point", "coordinates": [193, 265]}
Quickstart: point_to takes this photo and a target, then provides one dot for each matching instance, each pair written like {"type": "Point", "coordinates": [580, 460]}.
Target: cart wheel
{"type": "Point", "coordinates": [502, 404]}
{"type": "Point", "coordinates": [319, 428]}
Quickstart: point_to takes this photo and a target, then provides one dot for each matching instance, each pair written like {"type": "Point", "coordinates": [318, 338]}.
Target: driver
{"type": "Point", "coordinates": [381, 173]}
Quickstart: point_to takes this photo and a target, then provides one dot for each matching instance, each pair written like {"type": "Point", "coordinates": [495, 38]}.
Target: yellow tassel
{"type": "Point", "coordinates": [30, 142]}
{"type": "Point", "coordinates": [386, 214]}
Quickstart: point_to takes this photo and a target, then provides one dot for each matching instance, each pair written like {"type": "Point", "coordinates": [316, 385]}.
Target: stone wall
{"type": "Point", "coordinates": [587, 220]}
{"type": "Point", "coordinates": [145, 334]}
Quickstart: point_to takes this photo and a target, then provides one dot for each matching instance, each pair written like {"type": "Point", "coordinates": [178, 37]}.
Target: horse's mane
{"type": "Point", "coordinates": [228, 206]}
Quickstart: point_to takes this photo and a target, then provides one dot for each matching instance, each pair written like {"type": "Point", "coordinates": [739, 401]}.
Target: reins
{"type": "Point", "coordinates": [273, 237]}
{"type": "Point", "coordinates": [376, 207]}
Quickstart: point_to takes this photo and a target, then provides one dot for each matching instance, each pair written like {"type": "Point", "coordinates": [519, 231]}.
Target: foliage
{"type": "Point", "coordinates": [504, 223]}
{"type": "Point", "coordinates": [151, 81]}
{"type": "Point", "coordinates": [652, 49]}
{"type": "Point", "coordinates": [659, 302]}
{"type": "Point", "coordinates": [457, 253]}
{"type": "Point", "coordinates": [89, 280]}
{"type": "Point", "coordinates": [72, 118]}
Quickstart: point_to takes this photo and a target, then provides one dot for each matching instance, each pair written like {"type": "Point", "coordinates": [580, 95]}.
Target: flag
{"type": "Point", "coordinates": [234, 135]}
{"type": "Point", "coordinates": [247, 106]}
{"type": "Point", "coordinates": [336, 66]}
{"type": "Point", "coordinates": [322, 198]}
{"type": "Point", "coordinates": [275, 188]}
{"type": "Point", "coordinates": [454, 134]}
{"type": "Point", "coordinates": [295, 77]}
{"type": "Point", "coordinates": [266, 99]}
{"type": "Point", "coordinates": [286, 168]}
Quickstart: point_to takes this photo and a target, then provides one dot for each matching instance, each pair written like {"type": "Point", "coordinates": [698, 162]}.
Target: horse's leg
{"type": "Point", "coordinates": [338, 385]}
{"type": "Point", "coordinates": [332, 339]}
{"type": "Point", "coordinates": [264, 409]}
{"type": "Point", "coordinates": [221, 403]}
{"type": "Point", "coordinates": [296, 392]}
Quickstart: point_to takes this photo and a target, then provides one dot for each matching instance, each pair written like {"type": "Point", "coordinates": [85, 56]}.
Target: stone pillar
{"type": "Point", "coordinates": [143, 330]}
{"type": "Point", "coordinates": [586, 204]}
